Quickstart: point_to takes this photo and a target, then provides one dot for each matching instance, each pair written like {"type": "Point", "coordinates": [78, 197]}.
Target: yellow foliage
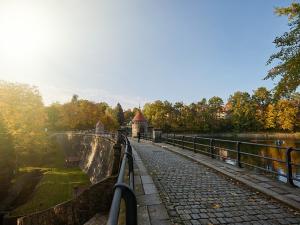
{"type": "Point", "coordinates": [287, 114]}
{"type": "Point", "coordinates": [23, 113]}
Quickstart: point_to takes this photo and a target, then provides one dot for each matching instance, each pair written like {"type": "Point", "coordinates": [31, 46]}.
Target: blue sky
{"type": "Point", "coordinates": [139, 51]}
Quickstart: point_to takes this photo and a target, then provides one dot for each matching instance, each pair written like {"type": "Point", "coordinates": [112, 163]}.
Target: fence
{"type": "Point", "coordinates": [147, 136]}
{"type": "Point", "coordinates": [222, 149]}
{"type": "Point", "coordinates": [124, 191]}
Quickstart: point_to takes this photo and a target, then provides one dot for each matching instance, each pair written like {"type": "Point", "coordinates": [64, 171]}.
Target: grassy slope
{"type": "Point", "coordinates": [56, 185]}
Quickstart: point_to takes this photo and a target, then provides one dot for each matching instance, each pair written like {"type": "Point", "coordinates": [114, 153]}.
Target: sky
{"type": "Point", "coordinates": [138, 51]}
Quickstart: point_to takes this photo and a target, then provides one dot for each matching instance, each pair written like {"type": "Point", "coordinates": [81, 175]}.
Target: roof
{"type": "Point", "coordinates": [139, 117]}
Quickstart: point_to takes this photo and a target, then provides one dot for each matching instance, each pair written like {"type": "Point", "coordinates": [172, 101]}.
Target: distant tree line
{"type": "Point", "coordinates": [243, 112]}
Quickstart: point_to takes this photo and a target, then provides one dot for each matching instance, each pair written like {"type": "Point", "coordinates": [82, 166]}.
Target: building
{"type": "Point", "coordinates": [139, 124]}
{"type": "Point", "coordinates": [99, 128]}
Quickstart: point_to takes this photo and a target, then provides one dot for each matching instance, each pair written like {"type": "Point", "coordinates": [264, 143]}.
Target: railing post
{"type": "Point", "coordinates": [117, 159]}
{"type": "Point", "coordinates": [182, 143]}
{"type": "Point", "coordinates": [174, 139]}
{"type": "Point", "coordinates": [238, 154]}
{"type": "Point", "coordinates": [289, 172]}
{"type": "Point", "coordinates": [194, 144]}
{"type": "Point", "coordinates": [130, 167]}
{"type": "Point", "coordinates": [130, 202]}
{"type": "Point", "coordinates": [211, 142]}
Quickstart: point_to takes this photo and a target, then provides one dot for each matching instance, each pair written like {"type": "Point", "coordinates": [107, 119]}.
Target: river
{"type": "Point", "coordinates": [274, 150]}
{"type": "Point", "coordinates": [265, 151]}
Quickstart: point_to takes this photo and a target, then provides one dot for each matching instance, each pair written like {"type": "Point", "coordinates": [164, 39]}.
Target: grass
{"type": "Point", "coordinates": [56, 185]}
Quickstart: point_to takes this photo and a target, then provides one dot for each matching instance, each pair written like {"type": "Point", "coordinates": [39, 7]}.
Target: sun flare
{"type": "Point", "coordinates": [26, 33]}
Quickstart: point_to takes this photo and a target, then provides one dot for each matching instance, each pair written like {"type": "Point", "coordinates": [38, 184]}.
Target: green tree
{"type": "Point", "coordinates": [159, 114]}
{"type": "Point", "coordinates": [74, 98]}
{"type": "Point", "coordinates": [128, 115]}
{"type": "Point", "coordinates": [202, 116]}
{"type": "Point", "coordinates": [288, 68]}
{"type": "Point", "coordinates": [119, 114]}
{"type": "Point", "coordinates": [215, 109]}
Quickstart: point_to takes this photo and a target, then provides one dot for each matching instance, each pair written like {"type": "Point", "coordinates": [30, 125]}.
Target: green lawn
{"type": "Point", "coordinates": [56, 185]}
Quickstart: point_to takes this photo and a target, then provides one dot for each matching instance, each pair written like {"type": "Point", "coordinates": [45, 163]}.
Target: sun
{"type": "Point", "coordinates": [26, 33]}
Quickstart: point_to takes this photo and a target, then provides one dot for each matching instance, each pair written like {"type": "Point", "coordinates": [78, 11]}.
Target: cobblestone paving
{"type": "Point", "coordinates": [194, 194]}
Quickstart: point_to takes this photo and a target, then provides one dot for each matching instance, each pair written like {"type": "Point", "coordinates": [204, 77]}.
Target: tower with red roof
{"type": "Point", "coordinates": [139, 124]}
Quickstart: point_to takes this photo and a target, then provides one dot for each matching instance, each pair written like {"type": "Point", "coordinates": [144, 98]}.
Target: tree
{"type": "Point", "coordinates": [288, 68]}
{"type": "Point", "coordinates": [128, 115]}
{"type": "Point", "coordinates": [270, 119]}
{"type": "Point", "coordinates": [74, 98]}
{"type": "Point", "coordinates": [159, 114]}
{"type": "Point", "coordinates": [24, 116]}
{"type": "Point", "coordinates": [108, 120]}
{"type": "Point", "coordinates": [7, 158]}
{"type": "Point", "coordinates": [119, 114]}
{"type": "Point", "coordinates": [261, 99]}
{"type": "Point", "coordinates": [287, 114]}
{"type": "Point", "coordinates": [54, 122]}
{"type": "Point", "coordinates": [215, 108]}
{"type": "Point", "coordinates": [242, 111]}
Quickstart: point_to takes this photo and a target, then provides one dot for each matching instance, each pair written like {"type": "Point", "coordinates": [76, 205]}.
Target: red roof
{"type": "Point", "coordinates": [139, 117]}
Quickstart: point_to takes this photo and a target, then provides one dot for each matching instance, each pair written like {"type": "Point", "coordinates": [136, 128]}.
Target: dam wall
{"type": "Point", "coordinates": [99, 157]}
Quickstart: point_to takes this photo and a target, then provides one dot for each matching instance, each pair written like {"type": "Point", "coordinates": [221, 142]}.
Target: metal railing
{"type": "Point", "coordinates": [124, 191]}
{"type": "Point", "coordinates": [147, 136]}
{"type": "Point", "coordinates": [217, 148]}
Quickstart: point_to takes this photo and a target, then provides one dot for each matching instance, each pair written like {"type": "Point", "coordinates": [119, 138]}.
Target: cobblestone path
{"type": "Point", "coordinates": [195, 194]}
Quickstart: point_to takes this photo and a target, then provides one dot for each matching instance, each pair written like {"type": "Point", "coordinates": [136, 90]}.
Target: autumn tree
{"type": "Point", "coordinates": [242, 111]}
{"type": "Point", "coordinates": [7, 158]}
{"type": "Point", "coordinates": [54, 121]}
{"type": "Point", "coordinates": [261, 98]}
{"type": "Point", "coordinates": [288, 56]}
{"type": "Point", "coordinates": [270, 117]}
{"type": "Point", "coordinates": [109, 120]}
{"type": "Point", "coordinates": [24, 116]}
{"type": "Point", "coordinates": [286, 114]}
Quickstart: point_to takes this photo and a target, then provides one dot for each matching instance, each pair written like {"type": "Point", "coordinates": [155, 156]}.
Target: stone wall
{"type": "Point", "coordinates": [95, 151]}
{"type": "Point", "coordinates": [100, 156]}
{"type": "Point", "coordinates": [95, 199]}
{"type": "Point", "coordinates": [97, 157]}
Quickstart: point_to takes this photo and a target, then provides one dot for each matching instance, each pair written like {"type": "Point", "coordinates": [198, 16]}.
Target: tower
{"type": "Point", "coordinates": [139, 124]}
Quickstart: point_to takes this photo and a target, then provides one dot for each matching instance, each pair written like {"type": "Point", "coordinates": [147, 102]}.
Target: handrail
{"type": "Point", "coordinates": [192, 143]}
{"type": "Point", "coordinates": [124, 191]}
{"type": "Point", "coordinates": [147, 136]}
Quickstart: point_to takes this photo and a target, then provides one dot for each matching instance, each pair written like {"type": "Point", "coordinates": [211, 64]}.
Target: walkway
{"type": "Point", "coordinates": [196, 194]}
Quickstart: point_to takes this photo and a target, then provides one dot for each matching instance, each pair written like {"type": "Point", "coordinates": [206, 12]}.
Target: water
{"type": "Point", "coordinates": [273, 167]}
{"type": "Point", "coordinates": [278, 153]}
